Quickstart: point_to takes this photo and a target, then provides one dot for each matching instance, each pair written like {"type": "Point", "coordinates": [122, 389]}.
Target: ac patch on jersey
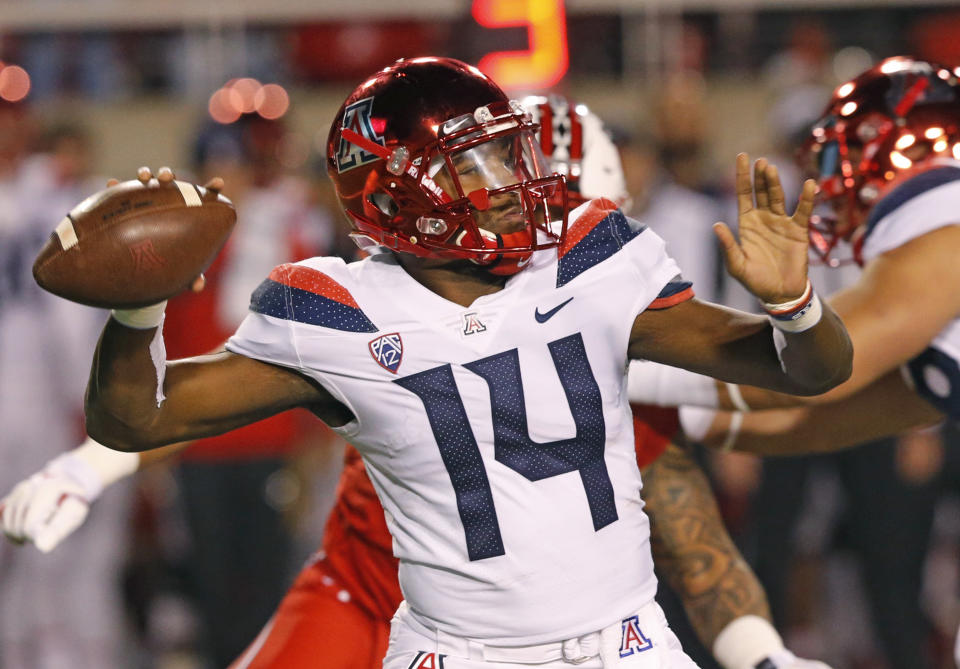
{"type": "Point", "coordinates": [425, 660]}
{"type": "Point", "coordinates": [356, 117]}
{"type": "Point", "coordinates": [633, 639]}
{"type": "Point", "coordinates": [387, 350]}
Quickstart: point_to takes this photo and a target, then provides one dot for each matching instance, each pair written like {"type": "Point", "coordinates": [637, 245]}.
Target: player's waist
{"type": "Point", "coordinates": [606, 641]}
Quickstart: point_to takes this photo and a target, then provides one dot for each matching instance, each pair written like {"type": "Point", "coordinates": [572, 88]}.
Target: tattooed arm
{"type": "Point", "coordinates": [693, 550]}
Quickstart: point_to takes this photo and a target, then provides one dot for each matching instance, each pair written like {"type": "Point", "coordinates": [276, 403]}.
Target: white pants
{"type": "Point", "coordinates": [640, 641]}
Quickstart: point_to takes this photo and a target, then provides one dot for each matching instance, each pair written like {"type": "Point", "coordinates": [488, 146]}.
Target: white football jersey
{"type": "Point", "coordinates": [498, 436]}
{"type": "Point", "coordinates": [925, 203]}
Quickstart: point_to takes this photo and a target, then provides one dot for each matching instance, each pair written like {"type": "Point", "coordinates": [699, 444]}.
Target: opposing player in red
{"type": "Point", "coordinates": [822, 351]}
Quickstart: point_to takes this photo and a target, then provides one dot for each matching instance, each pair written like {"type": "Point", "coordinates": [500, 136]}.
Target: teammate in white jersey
{"type": "Point", "coordinates": [886, 156]}
{"type": "Point", "coordinates": [518, 525]}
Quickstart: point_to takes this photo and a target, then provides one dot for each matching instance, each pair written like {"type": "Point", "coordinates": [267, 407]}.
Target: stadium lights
{"type": "Point", "coordinates": [246, 96]}
{"type": "Point", "coordinates": [14, 83]}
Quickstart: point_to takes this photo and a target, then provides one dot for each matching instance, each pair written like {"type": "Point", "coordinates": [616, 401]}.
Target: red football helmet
{"type": "Point", "coordinates": [898, 118]}
{"type": "Point", "coordinates": [430, 157]}
{"type": "Point", "coordinates": [577, 145]}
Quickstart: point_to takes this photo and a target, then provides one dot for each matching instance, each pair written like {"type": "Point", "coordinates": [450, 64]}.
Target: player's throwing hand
{"type": "Point", "coordinates": [770, 259]}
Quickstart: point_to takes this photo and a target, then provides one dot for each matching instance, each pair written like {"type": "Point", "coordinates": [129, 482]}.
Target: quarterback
{"type": "Point", "coordinates": [518, 526]}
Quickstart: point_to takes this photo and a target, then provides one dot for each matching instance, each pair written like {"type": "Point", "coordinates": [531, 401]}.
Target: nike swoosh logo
{"type": "Point", "coordinates": [544, 317]}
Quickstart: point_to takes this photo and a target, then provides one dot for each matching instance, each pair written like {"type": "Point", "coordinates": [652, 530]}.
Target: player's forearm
{"type": "Point", "coordinates": [692, 549]}
{"type": "Point", "coordinates": [816, 359]}
{"type": "Point", "coordinates": [121, 401]}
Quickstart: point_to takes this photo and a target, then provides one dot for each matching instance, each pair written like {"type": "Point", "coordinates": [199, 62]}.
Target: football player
{"type": "Point", "coordinates": [350, 591]}
{"type": "Point", "coordinates": [503, 558]}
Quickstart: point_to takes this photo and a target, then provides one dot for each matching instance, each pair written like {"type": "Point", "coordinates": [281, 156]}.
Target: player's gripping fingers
{"type": "Point", "coordinates": [774, 190]}
{"type": "Point", "coordinates": [144, 174]}
{"type": "Point", "coordinates": [165, 175]}
{"type": "Point", "coordinates": [112, 182]}
{"type": "Point", "coordinates": [68, 516]}
{"type": "Point", "coordinates": [760, 183]}
{"type": "Point", "coordinates": [801, 216]}
{"type": "Point", "coordinates": [215, 184]}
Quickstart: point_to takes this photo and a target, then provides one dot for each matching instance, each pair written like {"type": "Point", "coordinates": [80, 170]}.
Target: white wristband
{"type": "Point", "coordinates": [143, 318]}
{"type": "Point", "coordinates": [733, 431]}
{"type": "Point", "coordinates": [666, 386]}
{"type": "Point", "coordinates": [695, 422]}
{"type": "Point", "coordinates": [736, 397]}
{"type": "Point", "coordinates": [745, 642]}
{"type": "Point", "coordinates": [796, 315]}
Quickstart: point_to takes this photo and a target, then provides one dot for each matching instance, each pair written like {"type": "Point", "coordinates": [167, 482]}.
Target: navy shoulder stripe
{"type": "Point", "coordinates": [910, 189]}
{"type": "Point", "coordinates": [598, 234]}
{"type": "Point", "coordinates": [276, 299]}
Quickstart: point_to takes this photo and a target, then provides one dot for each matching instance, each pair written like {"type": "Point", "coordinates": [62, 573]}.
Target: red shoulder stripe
{"type": "Point", "coordinates": [597, 210]}
{"type": "Point", "coordinates": [312, 281]}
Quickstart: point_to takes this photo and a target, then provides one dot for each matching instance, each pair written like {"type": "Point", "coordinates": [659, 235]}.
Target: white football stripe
{"type": "Point", "coordinates": [67, 234]}
{"type": "Point", "coordinates": [190, 195]}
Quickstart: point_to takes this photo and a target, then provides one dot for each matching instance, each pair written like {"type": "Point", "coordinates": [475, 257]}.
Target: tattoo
{"type": "Point", "coordinates": [692, 548]}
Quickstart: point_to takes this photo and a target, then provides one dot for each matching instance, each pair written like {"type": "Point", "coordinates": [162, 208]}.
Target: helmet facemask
{"type": "Point", "coordinates": [477, 192]}
{"type": "Point", "coordinates": [496, 184]}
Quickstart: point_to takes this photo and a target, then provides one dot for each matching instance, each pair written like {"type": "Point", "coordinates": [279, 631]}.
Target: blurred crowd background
{"type": "Point", "coordinates": [180, 567]}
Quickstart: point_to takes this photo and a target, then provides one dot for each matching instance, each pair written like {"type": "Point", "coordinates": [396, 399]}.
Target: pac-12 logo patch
{"type": "Point", "coordinates": [633, 639]}
{"type": "Point", "coordinates": [387, 350]}
{"type": "Point", "coordinates": [357, 117]}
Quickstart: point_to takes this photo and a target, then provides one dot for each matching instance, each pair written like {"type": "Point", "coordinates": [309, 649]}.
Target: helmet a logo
{"type": "Point", "coordinates": [357, 118]}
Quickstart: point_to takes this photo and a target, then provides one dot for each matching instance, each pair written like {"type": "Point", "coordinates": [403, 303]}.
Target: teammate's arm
{"type": "Point", "coordinates": [693, 551]}
{"type": "Point", "coordinates": [884, 408]}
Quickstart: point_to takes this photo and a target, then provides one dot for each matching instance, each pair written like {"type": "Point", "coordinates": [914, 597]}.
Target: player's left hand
{"type": "Point", "coordinates": [770, 259]}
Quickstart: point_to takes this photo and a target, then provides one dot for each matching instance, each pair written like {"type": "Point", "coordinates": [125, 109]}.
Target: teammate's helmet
{"type": "Point", "coordinates": [577, 146]}
{"type": "Point", "coordinates": [898, 118]}
{"type": "Point", "coordinates": [427, 152]}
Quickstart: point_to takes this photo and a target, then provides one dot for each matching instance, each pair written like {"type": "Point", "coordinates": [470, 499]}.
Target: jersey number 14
{"type": "Point", "coordinates": [512, 444]}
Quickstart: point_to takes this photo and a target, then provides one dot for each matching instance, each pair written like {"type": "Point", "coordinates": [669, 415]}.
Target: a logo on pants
{"type": "Point", "coordinates": [425, 660]}
{"type": "Point", "coordinates": [633, 640]}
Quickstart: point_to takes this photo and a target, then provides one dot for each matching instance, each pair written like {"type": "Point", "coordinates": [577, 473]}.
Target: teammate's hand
{"type": "Point", "coordinates": [770, 259]}
{"type": "Point", "coordinates": [48, 506]}
{"type": "Point", "coordinates": [787, 660]}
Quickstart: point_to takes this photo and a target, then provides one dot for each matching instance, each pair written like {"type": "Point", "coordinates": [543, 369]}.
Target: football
{"type": "Point", "coordinates": [134, 244]}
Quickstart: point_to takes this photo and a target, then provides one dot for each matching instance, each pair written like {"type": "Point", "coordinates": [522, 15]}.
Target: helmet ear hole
{"type": "Point", "coordinates": [385, 203]}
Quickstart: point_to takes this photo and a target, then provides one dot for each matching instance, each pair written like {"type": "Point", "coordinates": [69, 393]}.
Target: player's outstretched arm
{"type": "Point", "coordinates": [137, 401]}
{"type": "Point", "coordinates": [722, 597]}
{"type": "Point", "coordinates": [801, 348]}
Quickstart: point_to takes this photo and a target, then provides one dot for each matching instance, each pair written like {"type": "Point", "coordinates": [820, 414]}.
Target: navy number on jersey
{"type": "Point", "coordinates": [512, 444]}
